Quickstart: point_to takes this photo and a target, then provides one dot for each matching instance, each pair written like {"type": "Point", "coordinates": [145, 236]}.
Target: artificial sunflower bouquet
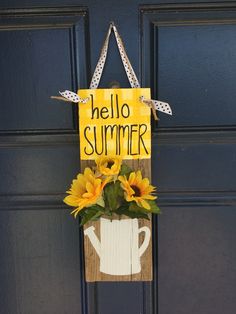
{"type": "Point", "coordinates": [111, 188]}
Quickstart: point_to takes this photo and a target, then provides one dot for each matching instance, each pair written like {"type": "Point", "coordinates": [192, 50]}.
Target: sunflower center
{"type": "Point", "coordinates": [110, 164]}
{"type": "Point", "coordinates": [137, 191]}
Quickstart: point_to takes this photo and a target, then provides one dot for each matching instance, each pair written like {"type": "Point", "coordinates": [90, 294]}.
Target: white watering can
{"type": "Point", "coordinates": [118, 249]}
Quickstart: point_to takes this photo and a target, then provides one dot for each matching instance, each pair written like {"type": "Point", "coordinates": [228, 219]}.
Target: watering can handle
{"type": "Point", "coordinates": [93, 239]}
{"type": "Point", "coordinates": [145, 243]}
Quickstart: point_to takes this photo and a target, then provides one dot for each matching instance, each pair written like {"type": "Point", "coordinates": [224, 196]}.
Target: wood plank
{"type": "Point", "coordinates": [92, 260]}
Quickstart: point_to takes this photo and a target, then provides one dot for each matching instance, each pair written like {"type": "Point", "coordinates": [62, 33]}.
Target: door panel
{"type": "Point", "coordinates": [42, 58]}
{"type": "Point", "coordinates": [195, 165]}
{"type": "Point", "coordinates": [35, 168]}
{"type": "Point", "coordinates": [42, 53]}
{"type": "Point", "coordinates": [185, 53]}
{"type": "Point", "coordinates": [190, 64]}
{"type": "Point", "coordinates": [36, 275]}
{"type": "Point", "coordinates": [201, 60]}
{"type": "Point", "coordinates": [197, 271]}
{"type": "Point", "coordinates": [40, 252]}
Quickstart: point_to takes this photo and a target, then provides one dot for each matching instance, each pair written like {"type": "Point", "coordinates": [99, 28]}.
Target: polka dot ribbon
{"type": "Point", "coordinates": [70, 96]}
{"type": "Point", "coordinates": [157, 105]}
{"type": "Point", "coordinates": [134, 83]}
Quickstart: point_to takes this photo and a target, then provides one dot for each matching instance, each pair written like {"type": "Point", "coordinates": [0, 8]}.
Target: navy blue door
{"type": "Point", "coordinates": [186, 54]}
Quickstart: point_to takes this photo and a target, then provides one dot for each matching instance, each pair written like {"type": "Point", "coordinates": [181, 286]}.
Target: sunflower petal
{"type": "Point", "coordinates": [71, 200]}
{"type": "Point", "coordinates": [85, 191]}
{"type": "Point", "coordinates": [144, 203]}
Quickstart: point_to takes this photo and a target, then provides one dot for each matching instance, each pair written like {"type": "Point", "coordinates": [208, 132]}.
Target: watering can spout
{"type": "Point", "coordinates": [93, 239]}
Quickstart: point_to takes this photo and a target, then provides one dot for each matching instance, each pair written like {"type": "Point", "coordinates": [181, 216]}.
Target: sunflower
{"type": "Point", "coordinates": [86, 190]}
{"type": "Point", "coordinates": [108, 166]}
{"type": "Point", "coordinates": [137, 189]}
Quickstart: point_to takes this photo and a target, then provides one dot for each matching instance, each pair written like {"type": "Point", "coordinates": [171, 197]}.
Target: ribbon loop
{"type": "Point", "coordinates": [158, 105]}
{"type": "Point", "coordinates": [134, 83]}
{"type": "Point", "coordinates": [73, 97]}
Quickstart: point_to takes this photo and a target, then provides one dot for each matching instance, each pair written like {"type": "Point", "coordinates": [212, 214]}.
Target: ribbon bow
{"type": "Point", "coordinates": [153, 104]}
{"type": "Point", "coordinates": [157, 105]}
{"type": "Point", "coordinates": [67, 95]}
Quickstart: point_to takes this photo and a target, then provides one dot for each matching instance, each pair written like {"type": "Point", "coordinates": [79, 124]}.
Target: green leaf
{"type": "Point", "coordinates": [91, 213]}
{"type": "Point", "coordinates": [97, 215]}
{"type": "Point", "coordinates": [125, 170]}
{"type": "Point", "coordinates": [90, 216]}
{"type": "Point", "coordinates": [135, 208]}
{"type": "Point", "coordinates": [134, 212]}
{"type": "Point", "coordinates": [95, 207]}
{"type": "Point", "coordinates": [122, 209]}
{"type": "Point", "coordinates": [154, 208]}
{"type": "Point", "coordinates": [113, 194]}
{"type": "Point", "coordinates": [131, 214]}
{"type": "Point", "coordinates": [82, 211]}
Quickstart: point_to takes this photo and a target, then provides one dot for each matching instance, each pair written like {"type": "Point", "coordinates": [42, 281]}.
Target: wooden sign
{"type": "Point", "coordinates": [115, 122]}
{"type": "Point", "coordinates": [141, 254]}
{"type": "Point", "coordinates": [114, 186]}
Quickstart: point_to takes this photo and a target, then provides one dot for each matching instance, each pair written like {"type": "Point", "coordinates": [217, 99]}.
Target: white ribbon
{"type": "Point", "coordinates": [158, 105]}
{"type": "Point", "coordinates": [73, 97]}
{"type": "Point", "coordinates": [134, 83]}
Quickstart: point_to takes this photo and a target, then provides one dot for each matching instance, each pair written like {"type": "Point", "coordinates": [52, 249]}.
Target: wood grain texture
{"type": "Point", "coordinates": [92, 260]}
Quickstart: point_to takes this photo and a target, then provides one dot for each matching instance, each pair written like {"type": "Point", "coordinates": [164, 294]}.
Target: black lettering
{"type": "Point", "coordinates": [124, 129]}
{"type": "Point", "coordinates": [104, 110]}
{"type": "Point", "coordinates": [111, 128]}
{"type": "Point", "coordinates": [96, 144]}
{"type": "Point", "coordinates": [85, 136]}
{"type": "Point", "coordinates": [123, 110]}
{"type": "Point", "coordinates": [94, 109]}
{"type": "Point", "coordinates": [112, 111]}
{"type": "Point", "coordinates": [117, 107]}
{"type": "Point", "coordinates": [141, 139]}
{"type": "Point", "coordinates": [132, 130]}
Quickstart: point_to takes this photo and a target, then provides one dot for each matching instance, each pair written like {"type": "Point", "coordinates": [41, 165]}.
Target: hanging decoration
{"type": "Point", "coordinates": [112, 195]}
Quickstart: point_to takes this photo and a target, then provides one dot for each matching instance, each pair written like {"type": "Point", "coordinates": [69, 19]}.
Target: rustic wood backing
{"type": "Point", "coordinates": [92, 260]}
